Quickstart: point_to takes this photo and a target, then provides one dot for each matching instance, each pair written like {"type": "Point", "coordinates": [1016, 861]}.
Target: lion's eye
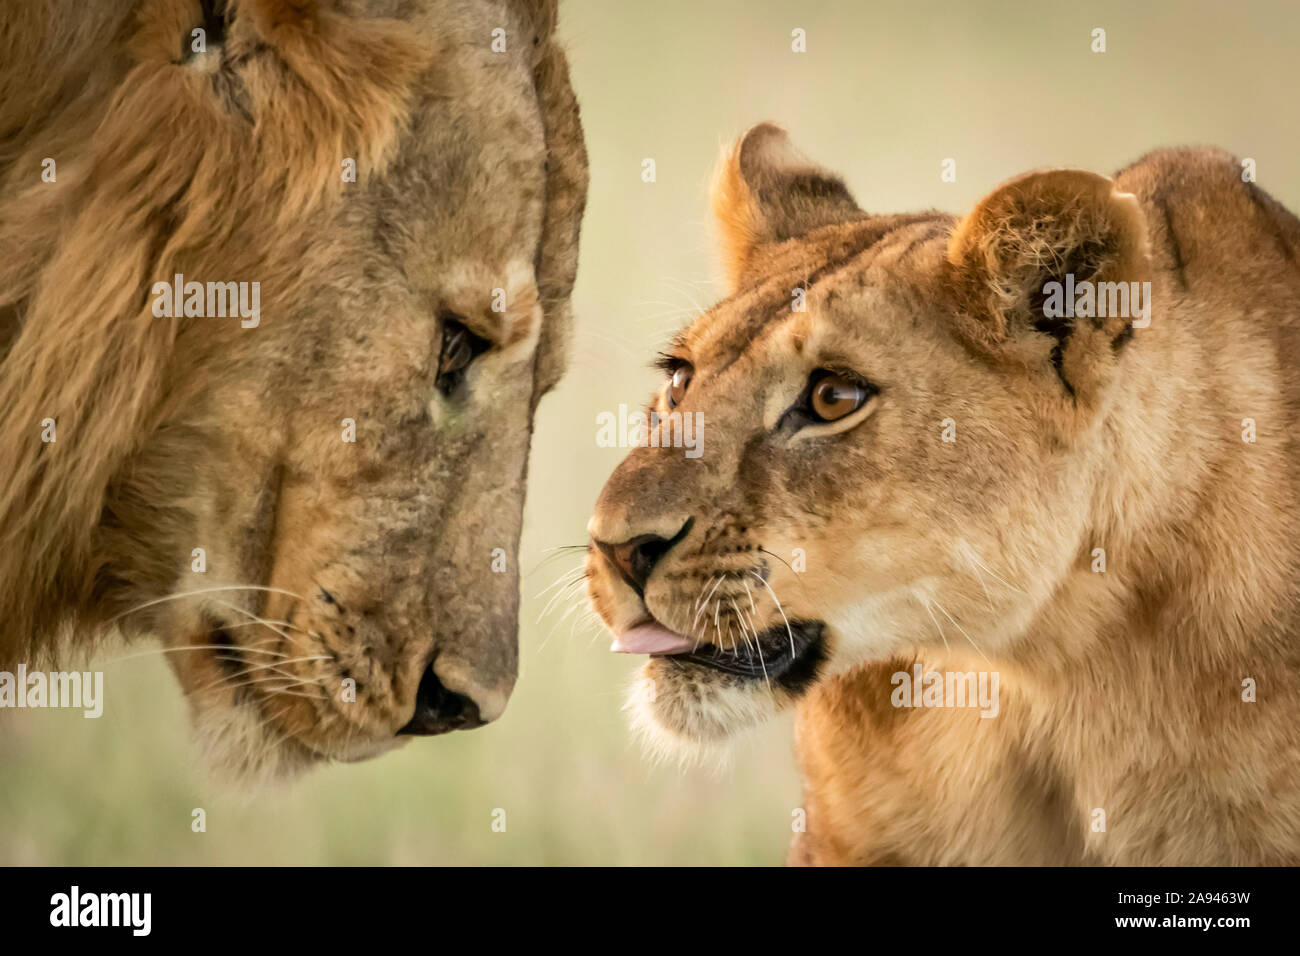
{"type": "Point", "coordinates": [678, 384]}
{"type": "Point", "coordinates": [832, 395]}
{"type": "Point", "coordinates": [460, 347]}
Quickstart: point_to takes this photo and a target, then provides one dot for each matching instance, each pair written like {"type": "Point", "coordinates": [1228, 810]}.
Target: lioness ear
{"type": "Point", "coordinates": [1060, 254]}
{"type": "Point", "coordinates": [765, 191]}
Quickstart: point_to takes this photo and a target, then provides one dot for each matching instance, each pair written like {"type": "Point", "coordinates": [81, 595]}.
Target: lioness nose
{"type": "Point", "coordinates": [636, 558]}
{"type": "Point", "coordinates": [439, 710]}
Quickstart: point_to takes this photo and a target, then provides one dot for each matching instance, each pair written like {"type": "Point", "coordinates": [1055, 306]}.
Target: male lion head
{"type": "Point", "coordinates": [894, 446]}
{"type": "Point", "coordinates": [314, 501]}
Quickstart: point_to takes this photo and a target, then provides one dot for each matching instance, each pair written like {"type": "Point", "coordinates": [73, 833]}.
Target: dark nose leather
{"type": "Point", "coordinates": [439, 710]}
{"type": "Point", "coordinates": [635, 558]}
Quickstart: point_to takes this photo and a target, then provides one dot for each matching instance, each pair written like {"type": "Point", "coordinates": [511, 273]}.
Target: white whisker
{"type": "Point", "coordinates": [963, 631]}
{"type": "Point", "coordinates": [788, 629]}
{"type": "Point", "coordinates": [185, 594]}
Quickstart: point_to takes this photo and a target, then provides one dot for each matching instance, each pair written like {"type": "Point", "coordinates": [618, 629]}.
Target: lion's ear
{"type": "Point", "coordinates": [765, 191]}
{"type": "Point", "coordinates": [1059, 253]}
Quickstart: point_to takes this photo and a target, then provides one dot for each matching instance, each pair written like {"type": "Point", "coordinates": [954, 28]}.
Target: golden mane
{"type": "Point", "coordinates": [156, 173]}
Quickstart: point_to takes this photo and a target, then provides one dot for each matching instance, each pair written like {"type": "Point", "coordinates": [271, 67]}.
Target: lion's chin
{"type": "Point", "coordinates": [244, 754]}
{"type": "Point", "coordinates": [690, 706]}
{"type": "Point", "coordinates": [690, 715]}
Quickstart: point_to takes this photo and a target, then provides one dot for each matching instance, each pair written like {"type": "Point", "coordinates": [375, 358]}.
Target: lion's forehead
{"type": "Point", "coordinates": [812, 284]}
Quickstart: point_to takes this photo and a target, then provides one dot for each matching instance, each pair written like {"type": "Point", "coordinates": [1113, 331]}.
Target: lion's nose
{"type": "Point", "coordinates": [439, 710]}
{"type": "Point", "coordinates": [636, 558]}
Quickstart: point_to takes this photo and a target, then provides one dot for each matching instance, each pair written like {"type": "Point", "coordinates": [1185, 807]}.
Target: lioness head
{"type": "Point", "coordinates": [315, 500]}
{"type": "Point", "coordinates": [897, 441]}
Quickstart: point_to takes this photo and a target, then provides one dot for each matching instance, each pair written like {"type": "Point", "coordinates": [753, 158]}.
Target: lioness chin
{"type": "Point", "coordinates": [919, 460]}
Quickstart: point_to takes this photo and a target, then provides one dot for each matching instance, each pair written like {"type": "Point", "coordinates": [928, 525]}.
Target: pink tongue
{"type": "Point", "coordinates": [650, 639]}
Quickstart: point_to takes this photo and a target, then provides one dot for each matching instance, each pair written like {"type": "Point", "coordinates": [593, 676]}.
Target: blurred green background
{"type": "Point", "coordinates": [884, 93]}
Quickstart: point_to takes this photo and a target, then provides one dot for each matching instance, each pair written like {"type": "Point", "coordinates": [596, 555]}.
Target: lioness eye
{"type": "Point", "coordinates": [678, 384]}
{"type": "Point", "coordinates": [832, 395]}
{"type": "Point", "coordinates": [460, 347]}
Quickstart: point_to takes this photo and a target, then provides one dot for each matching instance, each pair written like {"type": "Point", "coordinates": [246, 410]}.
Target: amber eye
{"type": "Point", "coordinates": [678, 384]}
{"type": "Point", "coordinates": [833, 395]}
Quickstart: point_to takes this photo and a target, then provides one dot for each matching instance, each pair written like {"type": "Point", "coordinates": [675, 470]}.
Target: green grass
{"type": "Point", "coordinates": [121, 789]}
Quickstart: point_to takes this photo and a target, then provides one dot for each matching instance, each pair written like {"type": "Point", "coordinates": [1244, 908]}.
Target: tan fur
{"type": "Point", "coordinates": [194, 432]}
{"type": "Point", "coordinates": [1120, 691]}
{"type": "Point", "coordinates": [736, 213]}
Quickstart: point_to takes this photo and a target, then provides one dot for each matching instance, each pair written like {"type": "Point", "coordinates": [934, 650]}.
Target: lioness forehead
{"type": "Point", "coordinates": [878, 250]}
